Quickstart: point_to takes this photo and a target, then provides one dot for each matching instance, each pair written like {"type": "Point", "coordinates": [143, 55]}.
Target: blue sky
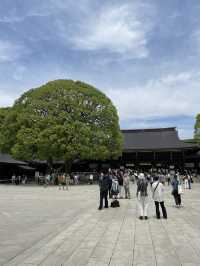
{"type": "Point", "coordinates": [145, 55]}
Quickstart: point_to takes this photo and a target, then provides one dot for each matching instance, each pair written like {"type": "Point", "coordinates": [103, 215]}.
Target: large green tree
{"type": "Point", "coordinates": [62, 120]}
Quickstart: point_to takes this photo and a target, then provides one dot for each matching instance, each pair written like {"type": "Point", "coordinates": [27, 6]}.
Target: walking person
{"type": "Point", "coordinates": [158, 197]}
{"type": "Point", "coordinates": [142, 196]}
{"type": "Point", "coordinates": [103, 186]}
{"type": "Point", "coordinates": [176, 190]}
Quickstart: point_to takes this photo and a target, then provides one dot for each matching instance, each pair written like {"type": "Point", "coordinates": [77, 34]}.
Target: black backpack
{"type": "Point", "coordinates": [114, 204]}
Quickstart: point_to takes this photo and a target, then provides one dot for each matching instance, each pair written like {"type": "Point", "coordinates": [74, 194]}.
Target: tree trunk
{"type": "Point", "coordinates": [49, 165]}
{"type": "Point", "coordinates": [68, 166]}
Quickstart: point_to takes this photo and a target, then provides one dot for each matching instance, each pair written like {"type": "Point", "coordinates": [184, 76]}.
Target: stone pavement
{"type": "Point", "coordinates": [47, 226]}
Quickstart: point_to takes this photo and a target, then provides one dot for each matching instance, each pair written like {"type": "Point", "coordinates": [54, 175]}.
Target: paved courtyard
{"type": "Point", "coordinates": [47, 226]}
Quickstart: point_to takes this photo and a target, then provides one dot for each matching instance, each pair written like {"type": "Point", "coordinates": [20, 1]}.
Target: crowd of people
{"type": "Point", "coordinates": [115, 184]}
{"type": "Point", "coordinates": [18, 179]}
{"type": "Point", "coordinates": [60, 178]}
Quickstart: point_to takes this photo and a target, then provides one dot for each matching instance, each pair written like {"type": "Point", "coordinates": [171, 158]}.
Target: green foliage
{"type": "Point", "coordinates": [62, 120]}
{"type": "Point", "coordinates": [6, 139]}
{"type": "Point", "coordinates": [197, 129]}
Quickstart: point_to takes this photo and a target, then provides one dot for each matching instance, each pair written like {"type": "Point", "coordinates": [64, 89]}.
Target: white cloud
{"type": "Point", "coordinates": [121, 30]}
{"type": "Point", "coordinates": [19, 72]}
{"type": "Point", "coordinates": [6, 98]}
{"type": "Point", "coordinates": [19, 18]}
{"type": "Point", "coordinates": [10, 51]}
{"type": "Point", "coordinates": [172, 95]}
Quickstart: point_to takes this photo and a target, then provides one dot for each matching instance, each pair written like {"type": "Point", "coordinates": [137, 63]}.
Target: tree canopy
{"type": "Point", "coordinates": [62, 120]}
{"type": "Point", "coordinates": [197, 129]}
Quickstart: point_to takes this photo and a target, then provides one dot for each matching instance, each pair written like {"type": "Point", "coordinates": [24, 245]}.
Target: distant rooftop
{"type": "Point", "coordinates": [154, 139]}
{"type": "Point", "coordinates": [7, 159]}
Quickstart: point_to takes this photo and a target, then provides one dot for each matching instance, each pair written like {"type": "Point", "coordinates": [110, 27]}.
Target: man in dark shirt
{"type": "Point", "coordinates": [104, 187]}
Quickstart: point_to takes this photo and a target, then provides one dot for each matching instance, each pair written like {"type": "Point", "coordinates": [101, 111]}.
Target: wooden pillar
{"type": "Point", "coordinates": [154, 159]}
{"type": "Point", "coordinates": [136, 158]}
{"type": "Point", "coordinates": [171, 156]}
{"type": "Point", "coordinates": [183, 159]}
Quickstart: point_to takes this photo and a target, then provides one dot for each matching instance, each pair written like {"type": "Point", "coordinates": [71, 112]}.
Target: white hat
{"type": "Point", "coordinates": [141, 176]}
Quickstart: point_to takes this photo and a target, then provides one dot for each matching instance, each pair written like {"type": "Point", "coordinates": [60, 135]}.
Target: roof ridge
{"type": "Point", "coordinates": [149, 129]}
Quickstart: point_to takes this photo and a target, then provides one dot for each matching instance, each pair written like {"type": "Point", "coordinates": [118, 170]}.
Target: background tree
{"type": "Point", "coordinates": [62, 120]}
{"type": "Point", "coordinates": [197, 129]}
{"type": "Point", "coordinates": [5, 140]}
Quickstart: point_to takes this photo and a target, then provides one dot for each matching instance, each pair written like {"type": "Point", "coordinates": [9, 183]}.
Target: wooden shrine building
{"type": "Point", "coordinates": [154, 148]}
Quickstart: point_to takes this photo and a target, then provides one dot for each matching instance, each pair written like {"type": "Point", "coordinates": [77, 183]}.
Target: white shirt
{"type": "Point", "coordinates": [158, 194]}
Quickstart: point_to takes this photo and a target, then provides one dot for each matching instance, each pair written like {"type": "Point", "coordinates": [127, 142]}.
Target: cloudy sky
{"type": "Point", "coordinates": [145, 55]}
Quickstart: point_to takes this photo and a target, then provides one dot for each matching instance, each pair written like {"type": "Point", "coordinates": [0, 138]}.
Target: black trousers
{"type": "Point", "coordinates": [177, 198]}
{"type": "Point", "coordinates": [103, 196]}
{"type": "Point", "coordinates": [164, 212]}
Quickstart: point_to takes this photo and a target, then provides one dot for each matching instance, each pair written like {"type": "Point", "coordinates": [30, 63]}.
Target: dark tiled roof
{"type": "Point", "coordinates": [26, 167]}
{"type": "Point", "coordinates": [7, 159]}
{"type": "Point", "coordinates": [154, 139]}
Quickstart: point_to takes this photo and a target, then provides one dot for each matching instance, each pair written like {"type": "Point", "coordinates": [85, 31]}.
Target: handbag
{"type": "Point", "coordinates": [180, 190]}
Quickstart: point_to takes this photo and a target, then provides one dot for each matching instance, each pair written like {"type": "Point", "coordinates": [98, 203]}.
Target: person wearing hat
{"type": "Point", "coordinates": [142, 196]}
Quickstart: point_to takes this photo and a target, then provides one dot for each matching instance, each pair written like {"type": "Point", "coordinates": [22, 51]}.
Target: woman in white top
{"type": "Point", "coordinates": [158, 197]}
{"type": "Point", "coordinates": [142, 196]}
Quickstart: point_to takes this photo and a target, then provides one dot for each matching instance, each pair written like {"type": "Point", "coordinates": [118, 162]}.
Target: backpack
{"type": "Point", "coordinates": [115, 188]}
{"type": "Point", "coordinates": [142, 187]}
{"type": "Point", "coordinates": [114, 204]}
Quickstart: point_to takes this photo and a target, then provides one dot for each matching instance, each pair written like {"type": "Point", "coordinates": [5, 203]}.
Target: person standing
{"type": "Point", "coordinates": [76, 179]}
{"type": "Point", "coordinates": [13, 178]}
{"type": "Point", "coordinates": [111, 176]}
{"type": "Point", "coordinates": [127, 186]}
{"type": "Point", "coordinates": [158, 197]}
{"type": "Point", "coordinates": [114, 187]}
{"type": "Point", "coordinates": [168, 178]}
{"type": "Point", "coordinates": [186, 182]}
{"type": "Point", "coordinates": [61, 181]}
{"type": "Point", "coordinates": [103, 186]}
{"type": "Point", "coordinates": [91, 177]}
{"type": "Point", "coordinates": [176, 190]}
{"type": "Point", "coordinates": [120, 181]}
{"type": "Point", "coordinates": [142, 196]}
{"type": "Point", "coordinates": [189, 181]}
{"type": "Point", "coordinates": [67, 180]}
